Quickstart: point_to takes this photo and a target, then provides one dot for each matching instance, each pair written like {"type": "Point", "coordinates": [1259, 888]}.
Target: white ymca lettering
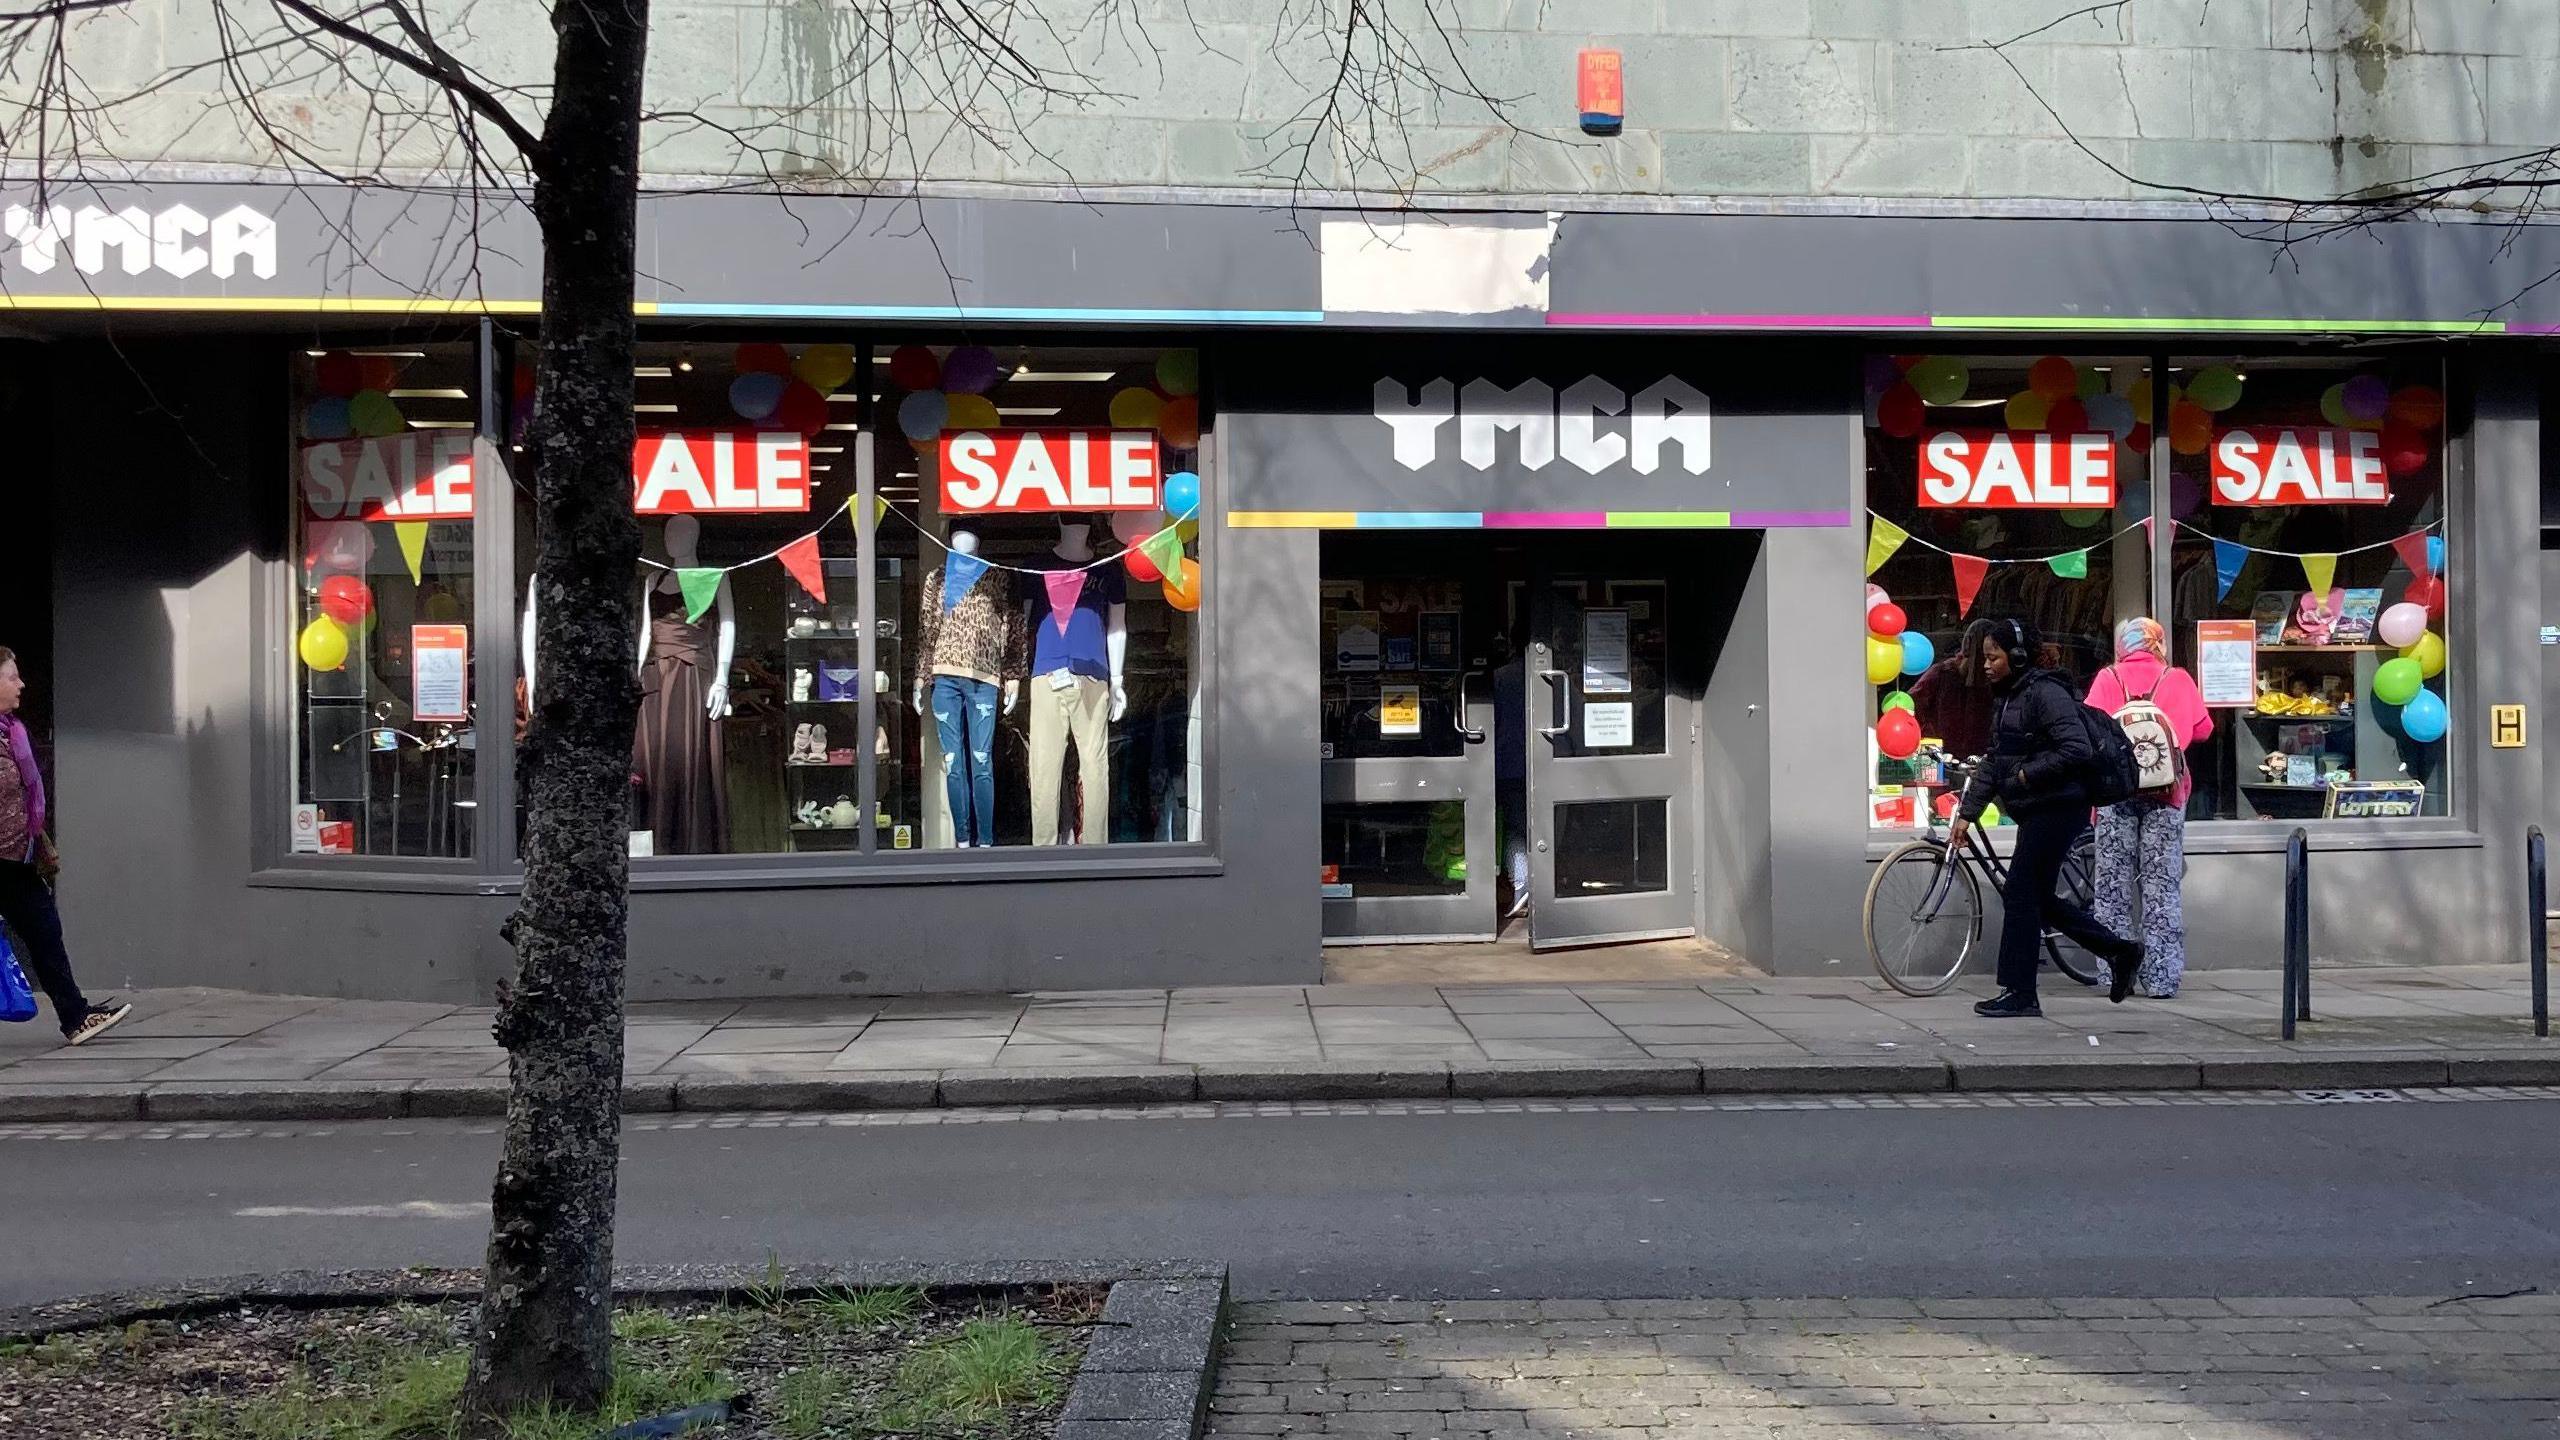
{"type": "Point", "coordinates": [178, 241]}
{"type": "Point", "coordinates": [1546, 425]}
{"type": "Point", "coordinates": [1999, 470]}
{"type": "Point", "coordinates": [2288, 466]}
{"type": "Point", "coordinates": [1027, 471]}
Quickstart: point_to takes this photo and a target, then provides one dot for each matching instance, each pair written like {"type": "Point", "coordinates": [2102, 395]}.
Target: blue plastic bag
{"type": "Point", "coordinates": [17, 997]}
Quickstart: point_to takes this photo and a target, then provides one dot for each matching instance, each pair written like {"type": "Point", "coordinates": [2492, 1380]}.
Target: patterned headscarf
{"type": "Point", "coordinates": [2141, 635]}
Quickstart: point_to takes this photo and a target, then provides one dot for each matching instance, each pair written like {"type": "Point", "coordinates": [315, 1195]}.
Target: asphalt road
{"type": "Point", "coordinates": [2405, 1198]}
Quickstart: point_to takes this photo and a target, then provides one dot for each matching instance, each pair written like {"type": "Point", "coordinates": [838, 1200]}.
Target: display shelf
{"type": "Point", "coordinates": [2301, 719]}
{"type": "Point", "coordinates": [2274, 785]}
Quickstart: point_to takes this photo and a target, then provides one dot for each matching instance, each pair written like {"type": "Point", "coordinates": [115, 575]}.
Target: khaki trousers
{"type": "Point", "coordinates": [1081, 714]}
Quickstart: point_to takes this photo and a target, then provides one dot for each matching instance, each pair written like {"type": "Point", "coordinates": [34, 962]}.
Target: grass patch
{"type": "Point", "coordinates": [809, 1401]}
{"type": "Point", "coordinates": [995, 1363]}
{"type": "Point", "coordinates": [869, 1309]}
{"type": "Point", "coordinates": [410, 1399]}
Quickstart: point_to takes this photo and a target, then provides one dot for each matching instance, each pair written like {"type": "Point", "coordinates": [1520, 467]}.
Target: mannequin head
{"type": "Point", "coordinates": [964, 542]}
{"type": "Point", "coordinates": [1075, 534]}
{"type": "Point", "coordinates": [682, 536]}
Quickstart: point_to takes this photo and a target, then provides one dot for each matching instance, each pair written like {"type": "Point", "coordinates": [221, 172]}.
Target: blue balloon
{"type": "Point", "coordinates": [755, 395]}
{"type": "Point", "coordinates": [1917, 653]}
{"type": "Point", "coordinates": [2423, 718]}
{"type": "Point", "coordinates": [327, 419]}
{"type": "Point", "coordinates": [922, 415]}
{"type": "Point", "coordinates": [2435, 554]}
{"type": "Point", "coordinates": [1181, 494]}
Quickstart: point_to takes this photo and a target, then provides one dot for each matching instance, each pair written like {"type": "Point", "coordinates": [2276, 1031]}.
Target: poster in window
{"type": "Point", "coordinates": [1609, 727]}
{"type": "Point", "coordinates": [2227, 661]}
{"type": "Point", "coordinates": [440, 673]}
{"type": "Point", "coordinates": [1399, 709]}
{"type": "Point", "coordinates": [1439, 634]}
{"type": "Point", "coordinates": [1604, 653]}
{"type": "Point", "coordinates": [1356, 643]}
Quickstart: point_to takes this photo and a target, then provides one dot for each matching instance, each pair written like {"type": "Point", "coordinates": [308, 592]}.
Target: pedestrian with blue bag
{"type": "Point", "coordinates": [27, 866]}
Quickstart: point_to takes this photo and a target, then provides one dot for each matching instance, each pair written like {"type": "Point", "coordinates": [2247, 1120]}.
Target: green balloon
{"type": "Point", "coordinates": [2092, 384]}
{"type": "Point", "coordinates": [2216, 388]}
{"type": "Point", "coordinates": [1900, 700]}
{"type": "Point", "coordinates": [1940, 379]}
{"type": "Point", "coordinates": [2397, 681]}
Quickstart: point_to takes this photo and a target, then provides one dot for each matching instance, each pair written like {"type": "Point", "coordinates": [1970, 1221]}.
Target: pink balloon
{"type": "Point", "coordinates": [1132, 526]}
{"type": "Point", "coordinates": [2403, 624]}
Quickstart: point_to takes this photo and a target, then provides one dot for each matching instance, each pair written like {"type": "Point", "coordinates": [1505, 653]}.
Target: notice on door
{"type": "Point", "coordinates": [1609, 727]}
{"type": "Point", "coordinates": [1356, 643]}
{"type": "Point", "coordinates": [1399, 709]}
{"type": "Point", "coordinates": [2227, 661]}
{"type": "Point", "coordinates": [1604, 653]}
{"type": "Point", "coordinates": [440, 671]}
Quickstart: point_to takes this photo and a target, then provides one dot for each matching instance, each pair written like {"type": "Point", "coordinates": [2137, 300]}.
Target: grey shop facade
{"type": "Point", "coordinates": [916, 717]}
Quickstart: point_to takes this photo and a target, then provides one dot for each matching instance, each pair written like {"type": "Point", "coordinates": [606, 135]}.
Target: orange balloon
{"type": "Point", "coordinates": [2190, 428]}
{"type": "Point", "coordinates": [2419, 406]}
{"type": "Point", "coordinates": [1184, 593]}
{"type": "Point", "coordinates": [1179, 423]}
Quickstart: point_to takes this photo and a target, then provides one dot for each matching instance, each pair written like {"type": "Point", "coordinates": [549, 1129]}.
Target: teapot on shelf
{"type": "Point", "coordinates": [842, 815]}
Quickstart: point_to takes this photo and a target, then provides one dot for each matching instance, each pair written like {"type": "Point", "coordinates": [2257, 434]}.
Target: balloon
{"type": "Point", "coordinates": [1141, 568]}
{"type": "Point", "coordinates": [1939, 380]}
{"type": "Point", "coordinates": [2402, 624]}
{"type": "Point", "coordinates": [2067, 417]}
{"type": "Point", "coordinates": [1881, 374]}
{"type": "Point", "coordinates": [2190, 428]}
{"type": "Point", "coordinates": [1900, 412]}
{"type": "Point", "coordinates": [2427, 591]}
{"type": "Point", "coordinates": [2139, 395]}
{"type": "Point", "coordinates": [912, 367]}
{"type": "Point", "coordinates": [970, 370]}
{"type": "Point", "coordinates": [2111, 413]}
{"type": "Point", "coordinates": [338, 545]}
{"type": "Point", "coordinates": [337, 374]}
{"type": "Point", "coordinates": [761, 357]}
{"type": "Point", "coordinates": [2418, 405]}
{"type": "Point", "coordinates": [1178, 372]}
{"type": "Point", "coordinates": [2365, 397]}
{"type": "Point", "coordinates": [2092, 385]}
{"type": "Point", "coordinates": [757, 394]}
{"type": "Point", "coordinates": [2428, 652]}
{"type": "Point", "coordinates": [1183, 592]}
{"type": "Point", "coordinates": [803, 408]}
{"type": "Point", "coordinates": [1181, 494]}
{"type": "Point", "coordinates": [377, 372]}
{"type": "Point", "coordinates": [2140, 443]}
{"type": "Point", "coordinates": [2396, 681]}
{"type": "Point", "coordinates": [1876, 595]}
{"type": "Point", "coordinates": [1884, 660]}
{"type": "Point", "coordinates": [1917, 653]}
{"type": "Point", "coordinates": [323, 645]}
{"type": "Point", "coordinates": [970, 412]}
{"type": "Point", "coordinates": [1179, 423]}
{"type": "Point", "coordinates": [2423, 718]}
{"type": "Point", "coordinates": [345, 599]}
{"type": "Point", "coordinates": [440, 609]}
{"type": "Point", "coordinates": [376, 414]}
{"type": "Point", "coordinates": [1886, 620]}
{"type": "Point", "coordinates": [326, 419]}
{"type": "Point", "coordinates": [2406, 450]}
{"type": "Point", "coordinates": [1131, 526]}
{"type": "Point", "coordinates": [2216, 388]}
{"type": "Point", "coordinates": [1900, 700]}
{"type": "Point", "coordinates": [2026, 410]}
{"type": "Point", "coordinates": [1188, 527]}
{"type": "Point", "coordinates": [825, 367]}
{"type": "Point", "coordinates": [2435, 566]}
{"type": "Point", "coordinates": [2054, 378]}
{"type": "Point", "coordinates": [1898, 734]}
{"type": "Point", "coordinates": [921, 415]}
{"type": "Point", "coordinates": [2333, 404]}
{"type": "Point", "coordinates": [2082, 519]}
{"type": "Point", "coordinates": [1136, 408]}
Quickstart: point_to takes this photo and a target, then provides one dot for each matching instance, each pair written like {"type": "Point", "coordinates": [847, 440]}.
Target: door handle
{"type": "Point", "coordinates": [1458, 720]}
{"type": "Point", "coordinates": [1562, 684]}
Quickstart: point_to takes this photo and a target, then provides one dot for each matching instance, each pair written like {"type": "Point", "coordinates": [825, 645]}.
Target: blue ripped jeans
{"type": "Point", "coordinates": [964, 719]}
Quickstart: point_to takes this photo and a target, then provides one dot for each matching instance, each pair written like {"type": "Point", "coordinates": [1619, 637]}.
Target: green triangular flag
{"type": "Point", "coordinates": [1164, 549]}
{"type": "Point", "coordinates": [2071, 566]}
{"type": "Point", "coordinates": [700, 586]}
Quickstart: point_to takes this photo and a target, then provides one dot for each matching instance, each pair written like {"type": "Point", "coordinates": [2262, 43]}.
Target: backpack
{"type": "Point", "coordinates": [2115, 776]}
{"type": "Point", "coordinates": [2157, 761]}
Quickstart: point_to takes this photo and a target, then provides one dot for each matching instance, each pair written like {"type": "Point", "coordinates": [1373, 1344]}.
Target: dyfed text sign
{"type": "Point", "coordinates": [2288, 465]}
{"type": "Point", "coordinates": [2016, 470]}
{"type": "Point", "coordinates": [1004, 472]}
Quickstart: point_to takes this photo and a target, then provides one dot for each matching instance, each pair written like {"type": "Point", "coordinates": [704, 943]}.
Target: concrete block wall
{"type": "Point", "coordinates": [1853, 98]}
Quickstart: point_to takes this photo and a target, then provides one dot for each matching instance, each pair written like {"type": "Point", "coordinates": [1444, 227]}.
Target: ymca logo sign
{"type": "Point", "coordinates": [178, 241]}
{"type": "Point", "coordinates": [1592, 424]}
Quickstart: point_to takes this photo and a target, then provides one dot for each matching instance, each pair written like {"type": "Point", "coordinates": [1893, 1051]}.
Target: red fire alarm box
{"type": "Point", "coordinates": [1603, 86]}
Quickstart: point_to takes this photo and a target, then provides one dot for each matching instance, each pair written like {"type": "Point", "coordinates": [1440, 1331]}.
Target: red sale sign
{"type": "Point", "coordinates": [1030, 471]}
{"type": "Point", "coordinates": [2016, 470]}
{"type": "Point", "coordinates": [679, 472]}
{"type": "Point", "coordinates": [2299, 465]}
{"type": "Point", "coordinates": [423, 475]}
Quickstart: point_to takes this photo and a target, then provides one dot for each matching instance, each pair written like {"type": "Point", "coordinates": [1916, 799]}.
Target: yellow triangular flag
{"type": "Point", "coordinates": [2320, 570]}
{"type": "Point", "coordinates": [413, 546]}
{"type": "Point", "coordinates": [1885, 538]}
{"type": "Point", "coordinates": [879, 511]}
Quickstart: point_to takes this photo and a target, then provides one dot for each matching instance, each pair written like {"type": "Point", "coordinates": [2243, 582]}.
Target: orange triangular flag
{"type": "Point", "coordinates": [1969, 572]}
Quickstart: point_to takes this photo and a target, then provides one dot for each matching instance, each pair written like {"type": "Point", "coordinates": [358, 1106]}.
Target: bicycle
{"type": "Point", "coordinates": [1924, 910]}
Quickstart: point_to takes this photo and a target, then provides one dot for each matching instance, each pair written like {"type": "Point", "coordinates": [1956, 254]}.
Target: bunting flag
{"type": "Point", "coordinates": [413, 546]}
{"type": "Point", "coordinates": [959, 576]}
{"type": "Point", "coordinates": [2071, 564]}
{"type": "Point", "coordinates": [1065, 588]}
{"type": "Point", "coordinates": [1164, 550]}
{"type": "Point", "coordinates": [2228, 557]}
{"type": "Point", "coordinates": [1970, 570]}
{"type": "Point", "coordinates": [701, 586]}
{"type": "Point", "coordinates": [2320, 570]}
{"type": "Point", "coordinates": [879, 511]}
{"type": "Point", "coordinates": [1883, 538]}
{"type": "Point", "coordinates": [800, 558]}
{"type": "Point", "coordinates": [2413, 552]}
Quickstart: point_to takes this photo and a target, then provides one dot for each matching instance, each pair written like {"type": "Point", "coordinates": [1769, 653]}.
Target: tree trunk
{"type": "Point", "coordinates": [546, 1322]}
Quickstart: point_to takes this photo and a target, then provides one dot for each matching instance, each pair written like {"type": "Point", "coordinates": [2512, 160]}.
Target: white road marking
{"type": "Point", "coordinates": [405, 1210]}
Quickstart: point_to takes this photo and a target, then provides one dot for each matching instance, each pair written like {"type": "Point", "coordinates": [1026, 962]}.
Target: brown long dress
{"type": "Point", "coordinates": [675, 752]}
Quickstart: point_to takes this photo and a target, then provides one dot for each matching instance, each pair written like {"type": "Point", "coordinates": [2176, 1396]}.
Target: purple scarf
{"type": "Point", "coordinates": [22, 750]}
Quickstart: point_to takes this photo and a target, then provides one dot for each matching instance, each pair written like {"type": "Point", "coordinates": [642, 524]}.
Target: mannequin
{"type": "Point", "coordinates": [969, 644]}
{"type": "Point", "coordinates": [1079, 631]}
{"type": "Point", "coordinates": [684, 692]}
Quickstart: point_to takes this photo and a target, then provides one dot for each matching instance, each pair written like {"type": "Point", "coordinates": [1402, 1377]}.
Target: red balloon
{"type": "Point", "coordinates": [1886, 620]}
{"type": "Point", "coordinates": [345, 599]}
{"type": "Point", "coordinates": [2140, 442]}
{"type": "Point", "coordinates": [2067, 417]}
{"type": "Point", "coordinates": [2405, 448]}
{"type": "Point", "coordinates": [1898, 734]}
{"type": "Point", "coordinates": [1905, 362]}
{"type": "Point", "coordinates": [802, 408]}
{"type": "Point", "coordinates": [338, 374]}
{"type": "Point", "coordinates": [2427, 590]}
{"type": "Point", "coordinates": [1900, 413]}
{"type": "Point", "coordinates": [376, 372]}
{"type": "Point", "coordinates": [912, 367]}
{"type": "Point", "coordinates": [763, 357]}
{"type": "Point", "coordinates": [1141, 568]}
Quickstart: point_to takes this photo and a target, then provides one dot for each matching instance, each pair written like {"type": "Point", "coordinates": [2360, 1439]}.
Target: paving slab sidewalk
{"type": "Point", "coordinates": [203, 1054]}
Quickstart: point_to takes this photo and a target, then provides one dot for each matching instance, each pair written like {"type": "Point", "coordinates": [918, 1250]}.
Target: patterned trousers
{"type": "Point", "coordinates": [2142, 851]}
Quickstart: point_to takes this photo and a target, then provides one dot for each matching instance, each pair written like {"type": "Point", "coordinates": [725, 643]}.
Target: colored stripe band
{"type": "Point", "coordinates": [1535, 519]}
{"type": "Point", "coordinates": [1094, 314]}
{"type": "Point", "coordinates": [275, 305]}
{"type": "Point", "coordinates": [2144, 322]}
{"type": "Point", "coordinates": [1743, 322]}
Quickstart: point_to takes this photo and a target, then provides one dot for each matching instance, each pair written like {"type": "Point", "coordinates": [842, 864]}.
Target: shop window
{"type": "Point", "coordinates": [2309, 584]}
{"type": "Point", "coordinates": [384, 730]}
{"type": "Point", "coordinates": [1040, 585]}
{"type": "Point", "coordinates": [1998, 488]}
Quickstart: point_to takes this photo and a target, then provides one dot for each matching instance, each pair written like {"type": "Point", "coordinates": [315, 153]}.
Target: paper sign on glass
{"type": "Point", "coordinates": [1604, 653]}
{"type": "Point", "coordinates": [2227, 661]}
{"type": "Point", "coordinates": [1400, 710]}
{"type": "Point", "coordinates": [1609, 727]}
{"type": "Point", "coordinates": [2015, 470]}
{"type": "Point", "coordinates": [440, 673]}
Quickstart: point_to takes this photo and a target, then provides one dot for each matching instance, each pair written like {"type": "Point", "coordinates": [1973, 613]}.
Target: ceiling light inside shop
{"type": "Point", "coordinates": [1064, 377]}
{"type": "Point", "coordinates": [440, 424]}
{"type": "Point", "coordinates": [826, 449]}
{"type": "Point", "coordinates": [1028, 409]}
{"type": "Point", "coordinates": [656, 409]}
{"type": "Point", "coordinates": [651, 372]}
{"type": "Point", "coordinates": [844, 425]}
{"type": "Point", "coordinates": [448, 393]}
{"type": "Point", "coordinates": [393, 354]}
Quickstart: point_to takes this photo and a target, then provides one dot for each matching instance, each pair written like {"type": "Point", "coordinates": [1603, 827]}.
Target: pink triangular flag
{"type": "Point", "coordinates": [800, 557]}
{"type": "Point", "coordinates": [2412, 550]}
{"type": "Point", "coordinates": [1065, 587]}
{"type": "Point", "coordinates": [1970, 569]}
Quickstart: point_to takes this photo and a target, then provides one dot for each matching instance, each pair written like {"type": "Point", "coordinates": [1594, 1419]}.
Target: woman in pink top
{"type": "Point", "coordinates": [2142, 843]}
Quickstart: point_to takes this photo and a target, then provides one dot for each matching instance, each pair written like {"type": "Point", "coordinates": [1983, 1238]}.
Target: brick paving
{"type": "Point", "coordinates": [2300, 1368]}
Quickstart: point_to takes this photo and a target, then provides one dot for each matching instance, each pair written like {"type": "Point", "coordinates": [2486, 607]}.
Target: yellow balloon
{"type": "Point", "coordinates": [824, 367]}
{"type": "Point", "coordinates": [2026, 410]}
{"type": "Point", "coordinates": [972, 412]}
{"type": "Point", "coordinates": [323, 645]}
{"type": "Point", "coordinates": [2138, 395]}
{"type": "Point", "coordinates": [1884, 660]}
{"type": "Point", "coordinates": [1136, 409]}
{"type": "Point", "coordinates": [2428, 652]}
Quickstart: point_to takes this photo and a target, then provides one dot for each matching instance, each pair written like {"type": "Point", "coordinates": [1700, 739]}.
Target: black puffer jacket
{"type": "Point", "coordinates": [2040, 751]}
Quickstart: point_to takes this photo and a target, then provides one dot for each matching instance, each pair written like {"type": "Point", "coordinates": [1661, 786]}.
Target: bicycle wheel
{"type": "Point", "coordinates": [2078, 884]}
{"type": "Point", "coordinates": [1923, 915]}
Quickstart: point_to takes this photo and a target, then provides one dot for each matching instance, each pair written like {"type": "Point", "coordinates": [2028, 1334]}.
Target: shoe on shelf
{"type": "Point", "coordinates": [99, 1020]}
{"type": "Point", "coordinates": [2008, 1005]}
{"type": "Point", "coordinates": [2122, 967]}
